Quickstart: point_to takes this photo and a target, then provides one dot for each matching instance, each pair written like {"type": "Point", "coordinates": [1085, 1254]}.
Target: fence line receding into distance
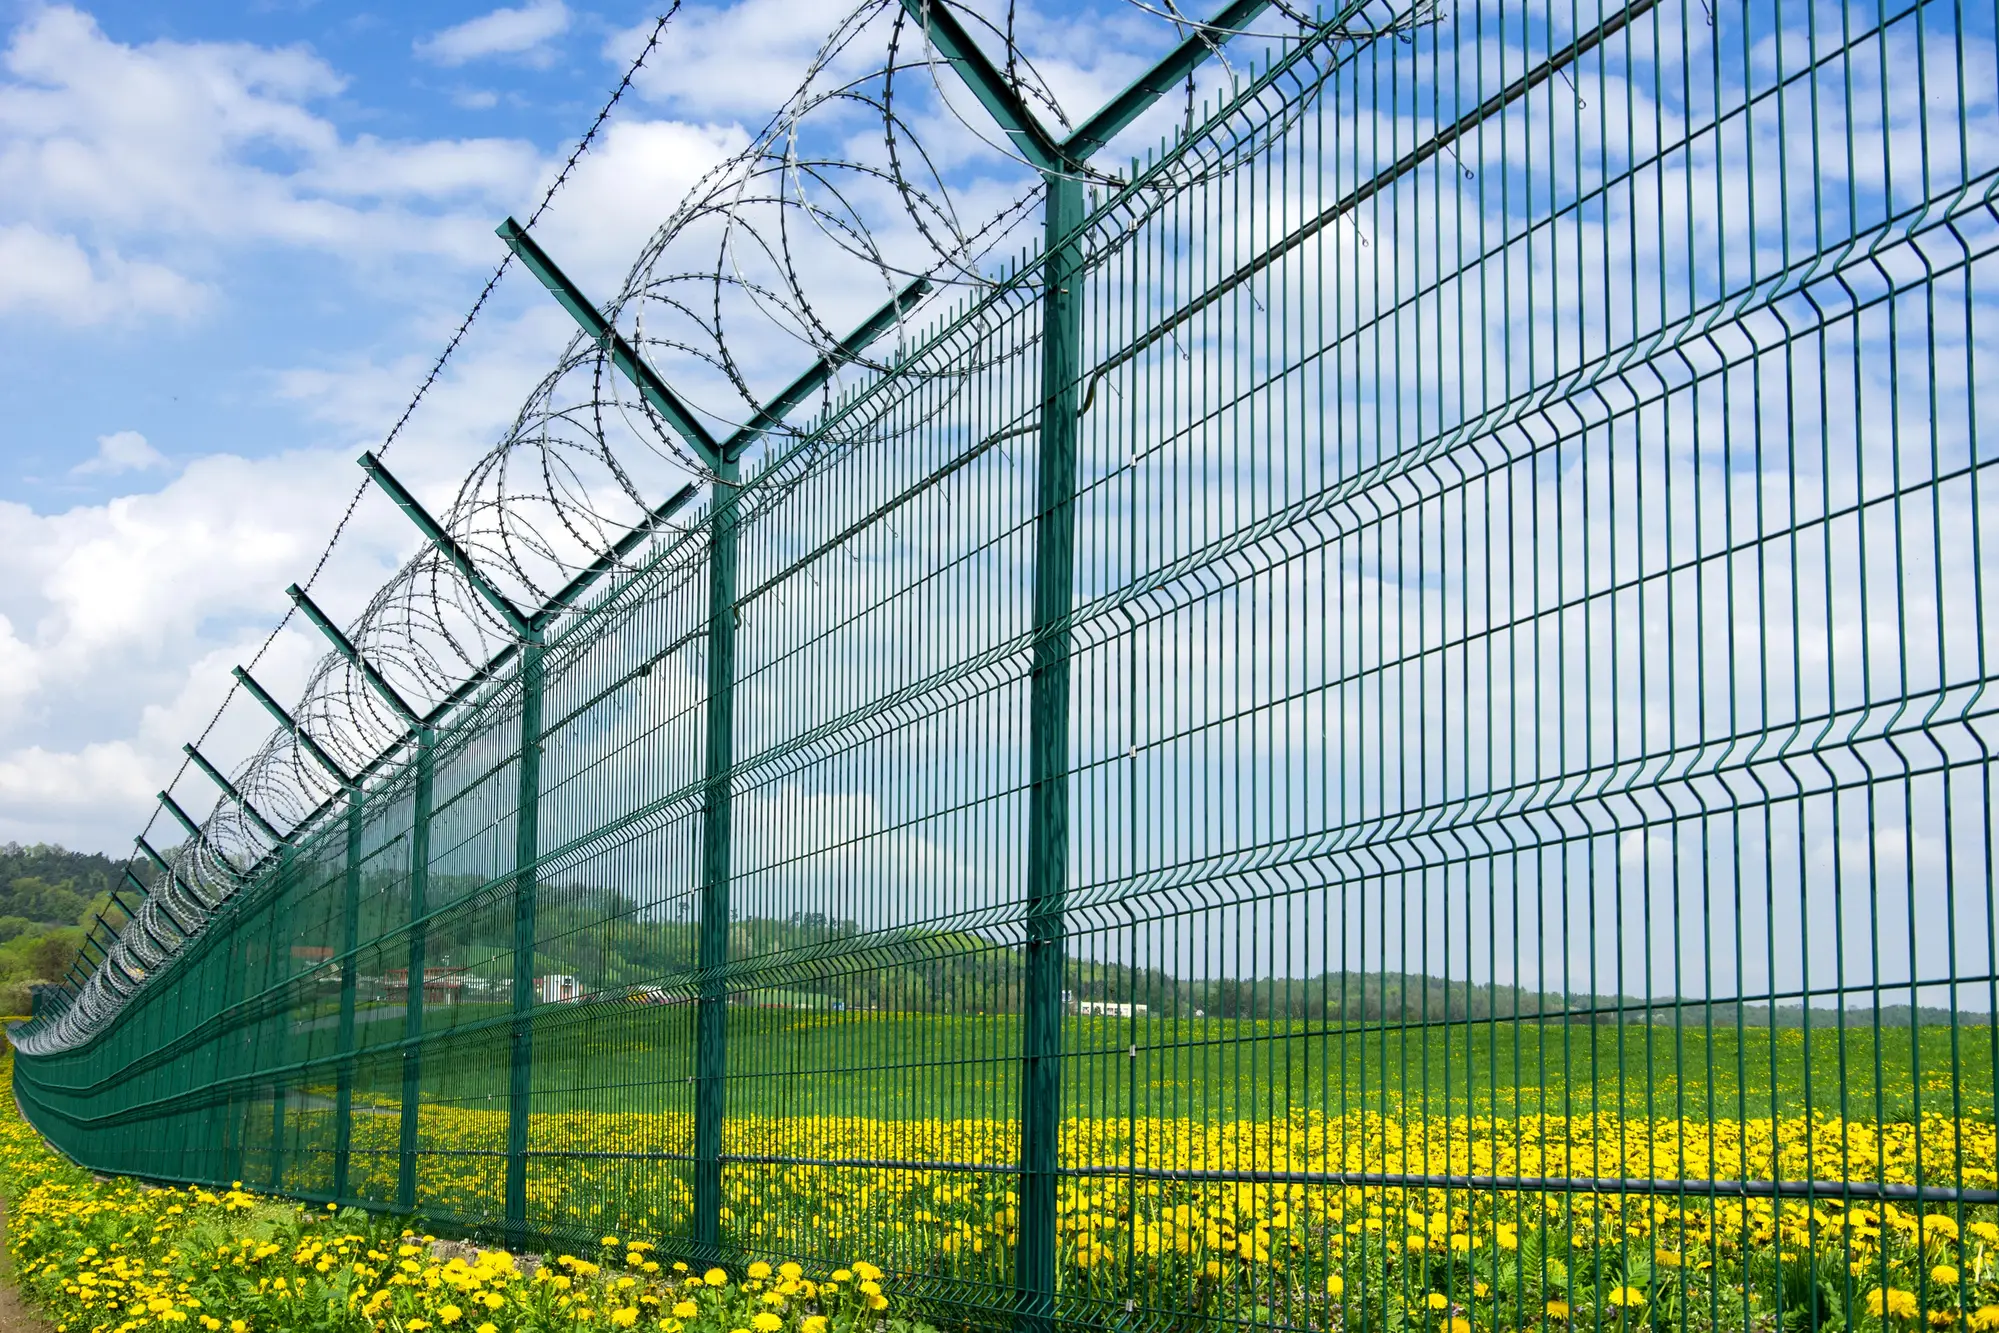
{"type": "Point", "coordinates": [1405, 671]}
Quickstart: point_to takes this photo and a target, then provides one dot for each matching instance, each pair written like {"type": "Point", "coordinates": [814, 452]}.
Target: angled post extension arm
{"type": "Point", "coordinates": [623, 355]}
{"type": "Point", "coordinates": [285, 720]}
{"type": "Point", "coordinates": [216, 776]}
{"type": "Point", "coordinates": [460, 558]}
{"type": "Point", "coordinates": [345, 647]}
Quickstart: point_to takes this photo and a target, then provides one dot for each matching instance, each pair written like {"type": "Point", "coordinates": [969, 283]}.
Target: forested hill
{"type": "Point", "coordinates": [48, 886]}
{"type": "Point", "coordinates": [46, 895]}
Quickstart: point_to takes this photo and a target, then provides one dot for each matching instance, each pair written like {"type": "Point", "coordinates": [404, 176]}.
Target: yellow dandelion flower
{"type": "Point", "coordinates": [766, 1322]}
{"type": "Point", "coordinates": [1891, 1301]}
{"type": "Point", "coordinates": [758, 1270]}
{"type": "Point", "coordinates": [1335, 1284]}
{"type": "Point", "coordinates": [626, 1316]}
{"type": "Point", "coordinates": [715, 1277]}
{"type": "Point", "coordinates": [685, 1309]}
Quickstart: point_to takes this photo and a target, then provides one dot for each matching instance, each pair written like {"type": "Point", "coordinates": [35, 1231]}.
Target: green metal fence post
{"type": "Point", "coordinates": [346, 1042]}
{"type": "Point", "coordinates": [229, 1063]}
{"type": "Point", "coordinates": [350, 940]}
{"type": "Point", "coordinates": [1061, 166]}
{"type": "Point", "coordinates": [711, 1022]}
{"type": "Point", "coordinates": [275, 975]}
{"type": "Point", "coordinates": [1048, 755]}
{"type": "Point", "coordinates": [1040, 1109]}
{"type": "Point", "coordinates": [426, 758]}
{"type": "Point", "coordinates": [711, 1033]}
{"type": "Point", "coordinates": [527, 836]}
{"type": "Point", "coordinates": [237, 1129]}
{"type": "Point", "coordinates": [419, 878]}
{"type": "Point", "coordinates": [527, 847]}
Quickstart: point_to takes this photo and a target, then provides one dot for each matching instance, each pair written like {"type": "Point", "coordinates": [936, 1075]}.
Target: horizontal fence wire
{"type": "Point", "coordinates": [1391, 727]}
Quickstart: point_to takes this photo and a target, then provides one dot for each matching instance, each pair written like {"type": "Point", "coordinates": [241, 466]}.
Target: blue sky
{"type": "Point", "coordinates": [232, 239]}
{"type": "Point", "coordinates": [403, 75]}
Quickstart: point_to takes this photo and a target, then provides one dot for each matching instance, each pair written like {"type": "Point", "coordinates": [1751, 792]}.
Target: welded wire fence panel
{"type": "Point", "coordinates": [1425, 759]}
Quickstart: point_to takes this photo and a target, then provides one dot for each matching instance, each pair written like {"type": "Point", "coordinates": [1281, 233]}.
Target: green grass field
{"type": "Point", "coordinates": [909, 1066]}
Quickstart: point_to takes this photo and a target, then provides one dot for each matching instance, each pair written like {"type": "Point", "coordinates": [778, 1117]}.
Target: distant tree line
{"type": "Point", "coordinates": [612, 941]}
{"type": "Point", "coordinates": [47, 897]}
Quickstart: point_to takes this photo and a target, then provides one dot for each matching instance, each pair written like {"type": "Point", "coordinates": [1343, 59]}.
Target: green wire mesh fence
{"type": "Point", "coordinates": [1391, 730]}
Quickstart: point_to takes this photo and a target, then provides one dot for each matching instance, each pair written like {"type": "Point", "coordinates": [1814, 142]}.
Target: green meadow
{"type": "Point", "coordinates": [911, 1066]}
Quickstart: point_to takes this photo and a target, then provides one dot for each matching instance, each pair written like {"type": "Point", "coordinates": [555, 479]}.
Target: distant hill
{"type": "Point", "coordinates": [46, 885]}
{"type": "Point", "coordinates": [47, 894]}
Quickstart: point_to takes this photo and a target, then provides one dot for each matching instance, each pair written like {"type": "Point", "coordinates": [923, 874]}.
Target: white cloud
{"type": "Point", "coordinates": [621, 192]}
{"type": "Point", "coordinates": [504, 32]}
{"type": "Point", "coordinates": [743, 60]}
{"type": "Point", "coordinates": [130, 173]}
{"type": "Point", "coordinates": [52, 275]}
{"type": "Point", "coordinates": [122, 451]}
{"type": "Point", "coordinates": [119, 622]}
{"type": "Point", "coordinates": [370, 168]}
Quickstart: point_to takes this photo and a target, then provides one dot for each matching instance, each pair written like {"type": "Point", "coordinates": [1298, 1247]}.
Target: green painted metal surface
{"type": "Point", "coordinates": [1049, 692]}
{"type": "Point", "coordinates": [711, 1024]}
{"type": "Point", "coordinates": [1427, 654]}
{"type": "Point", "coordinates": [350, 943]}
{"type": "Point", "coordinates": [416, 971]}
{"type": "Point", "coordinates": [527, 891]}
{"type": "Point", "coordinates": [629, 363]}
